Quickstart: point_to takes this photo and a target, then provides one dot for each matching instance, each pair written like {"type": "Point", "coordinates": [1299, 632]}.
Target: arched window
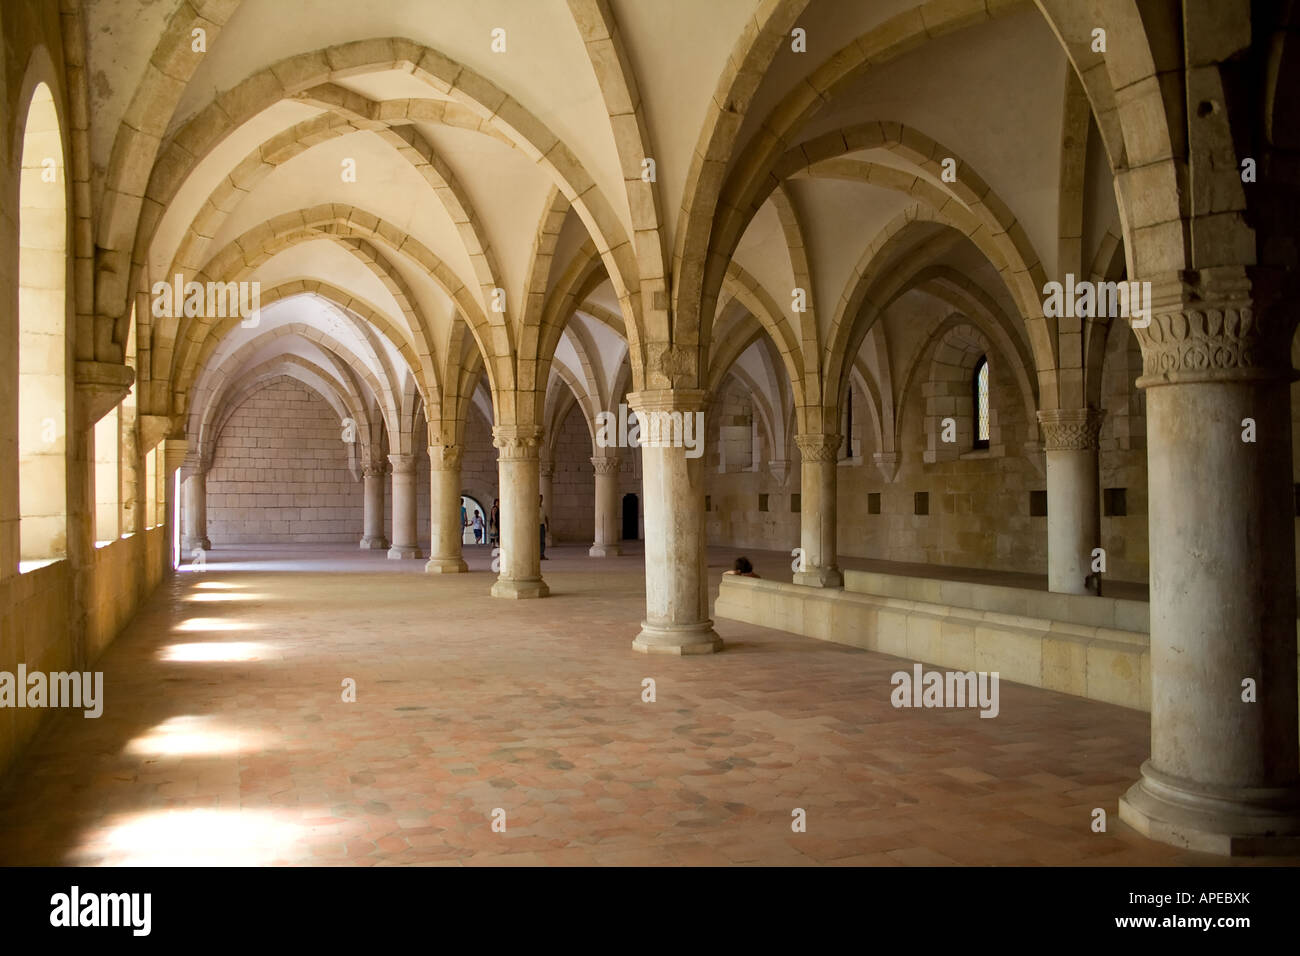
{"type": "Point", "coordinates": [42, 338]}
{"type": "Point", "coordinates": [981, 393]}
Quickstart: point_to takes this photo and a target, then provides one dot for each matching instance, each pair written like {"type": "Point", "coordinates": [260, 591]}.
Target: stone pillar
{"type": "Point", "coordinates": [194, 510]}
{"type": "Point", "coordinates": [609, 515]}
{"type": "Point", "coordinates": [545, 487]}
{"type": "Point", "coordinates": [445, 539]}
{"type": "Point", "coordinates": [818, 473]}
{"type": "Point", "coordinates": [1073, 506]}
{"type": "Point", "coordinates": [405, 543]}
{"type": "Point", "coordinates": [372, 520]}
{"type": "Point", "coordinates": [521, 552]}
{"type": "Point", "coordinates": [676, 583]}
{"type": "Point", "coordinates": [174, 453]}
{"type": "Point", "coordinates": [1223, 775]}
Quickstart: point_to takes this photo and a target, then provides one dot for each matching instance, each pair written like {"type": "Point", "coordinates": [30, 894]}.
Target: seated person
{"type": "Point", "coordinates": [742, 568]}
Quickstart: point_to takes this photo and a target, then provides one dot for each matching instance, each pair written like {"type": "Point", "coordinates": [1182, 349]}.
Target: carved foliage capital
{"type": "Point", "coordinates": [402, 464]}
{"type": "Point", "coordinates": [444, 457]}
{"type": "Point", "coordinates": [1209, 326]}
{"type": "Point", "coordinates": [517, 442]}
{"type": "Point", "coordinates": [605, 465]}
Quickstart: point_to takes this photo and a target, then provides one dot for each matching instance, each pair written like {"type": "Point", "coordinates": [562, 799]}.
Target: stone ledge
{"type": "Point", "coordinates": [1097, 663]}
{"type": "Point", "coordinates": [1082, 609]}
{"type": "Point", "coordinates": [984, 632]}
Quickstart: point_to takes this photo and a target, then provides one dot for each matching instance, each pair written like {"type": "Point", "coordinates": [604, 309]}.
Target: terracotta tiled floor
{"type": "Point", "coordinates": [224, 737]}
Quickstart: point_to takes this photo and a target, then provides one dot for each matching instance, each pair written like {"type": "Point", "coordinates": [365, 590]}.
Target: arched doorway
{"type": "Point", "coordinates": [631, 517]}
{"type": "Point", "coordinates": [470, 506]}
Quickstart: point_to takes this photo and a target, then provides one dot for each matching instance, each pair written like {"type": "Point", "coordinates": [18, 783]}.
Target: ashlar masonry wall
{"type": "Point", "coordinates": [280, 472]}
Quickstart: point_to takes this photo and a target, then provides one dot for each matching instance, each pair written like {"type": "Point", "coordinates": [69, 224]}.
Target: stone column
{"type": "Point", "coordinates": [1223, 774]}
{"type": "Point", "coordinates": [194, 510]}
{"type": "Point", "coordinates": [1073, 506]}
{"type": "Point", "coordinates": [609, 516]}
{"type": "Point", "coordinates": [372, 520]}
{"type": "Point", "coordinates": [174, 453]}
{"type": "Point", "coordinates": [545, 487]}
{"type": "Point", "coordinates": [676, 583]}
{"type": "Point", "coordinates": [521, 552]}
{"type": "Point", "coordinates": [405, 543]}
{"type": "Point", "coordinates": [445, 555]}
{"type": "Point", "coordinates": [818, 473]}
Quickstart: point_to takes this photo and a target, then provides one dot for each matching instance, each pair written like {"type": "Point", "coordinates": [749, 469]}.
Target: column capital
{"type": "Point", "coordinates": [445, 457]}
{"type": "Point", "coordinates": [1070, 429]}
{"type": "Point", "coordinates": [517, 442]}
{"type": "Point", "coordinates": [194, 466]}
{"type": "Point", "coordinates": [175, 452]}
{"type": "Point", "coordinates": [546, 468]}
{"type": "Point", "coordinates": [402, 464]}
{"type": "Point", "coordinates": [605, 464]}
{"type": "Point", "coordinates": [374, 469]}
{"type": "Point", "coordinates": [819, 447]}
{"type": "Point", "coordinates": [1213, 325]}
{"type": "Point", "coordinates": [667, 400]}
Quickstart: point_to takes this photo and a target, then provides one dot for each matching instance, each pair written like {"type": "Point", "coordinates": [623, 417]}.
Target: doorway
{"type": "Point", "coordinates": [469, 507]}
{"type": "Point", "coordinates": [631, 518]}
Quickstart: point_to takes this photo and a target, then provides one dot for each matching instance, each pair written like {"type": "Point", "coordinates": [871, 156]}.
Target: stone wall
{"type": "Point", "coordinates": [280, 472]}
{"type": "Point", "coordinates": [978, 500]}
{"type": "Point", "coordinates": [572, 512]}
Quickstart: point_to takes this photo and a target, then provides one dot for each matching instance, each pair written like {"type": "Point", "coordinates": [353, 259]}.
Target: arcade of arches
{"type": "Point", "coordinates": [283, 294]}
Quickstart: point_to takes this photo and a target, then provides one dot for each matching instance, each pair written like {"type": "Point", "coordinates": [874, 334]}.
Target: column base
{"type": "Point", "coordinates": [374, 544]}
{"type": "Point", "coordinates": [820, 578]}
{"type": "Point", "coordinates": [446, 566]}
{"type": "Point", "coordinates": [396, 553]}
{"type": "Point", "coordinates": [1235, 821]}
{"type": "Point", "coordinates": [188, 545]}
{"type": "Point", "coordinates": [677, 639]}
{"type": "Point", "coordinates": [509, 588]}
{"type": "Point", "coordinates": [604, 551]}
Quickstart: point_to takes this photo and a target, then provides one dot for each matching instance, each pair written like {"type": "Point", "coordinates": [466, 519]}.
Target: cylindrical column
{"type": "Point", "coordinates": [608, 516]}
{"type": "Point", "coordinates": [445, 555]}
{"type": "Point", "coordinates": [1073, 508]}
{"type": "Point", "coordinates": [372, 519]}
{"type": "Point", "coordinates": [521, 552]}
{"type": "Point", "coordinates": [545, 486]}
{"type": "Point", "coordinates": [405, 543]}
{"type": "Point", "coordinates": [818, 473]}
{"type": "Point", "coordinates": [677, 589]}
{"type": "Point", "coordinates": [1223, 775]}
{"type": "Point", "coordinates": [194, 512]}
